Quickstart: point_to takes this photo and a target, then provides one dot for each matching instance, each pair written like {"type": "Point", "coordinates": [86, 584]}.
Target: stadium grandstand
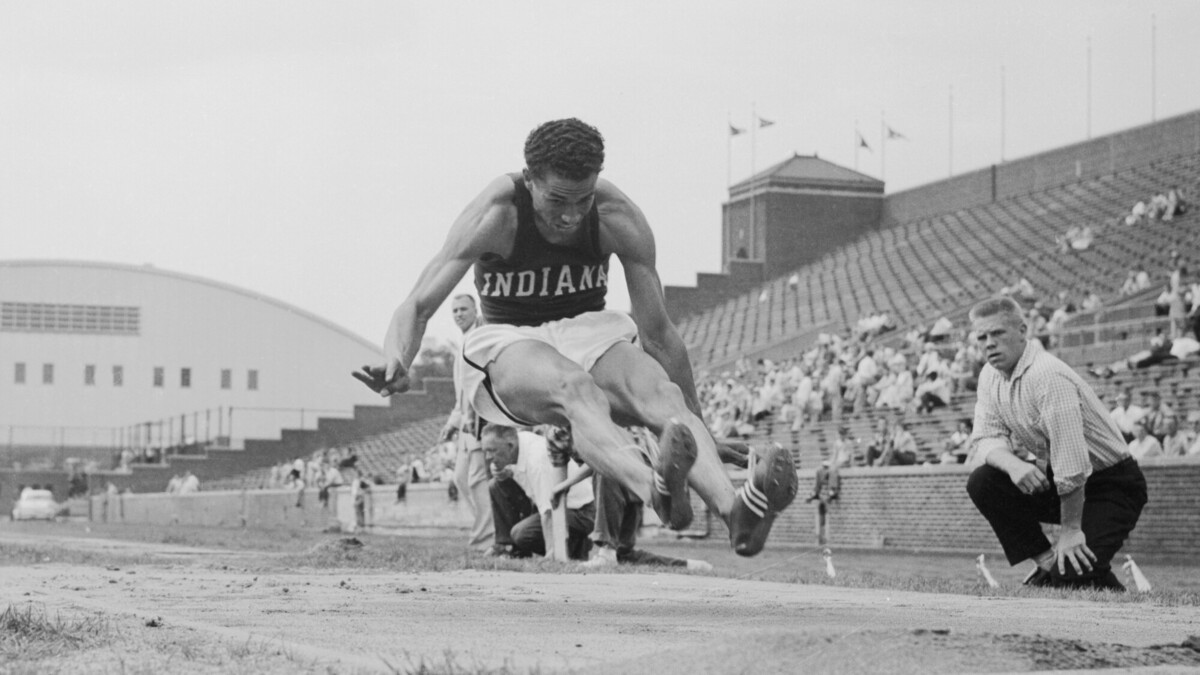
{"type": "Point", "coordinates": [897, 272]}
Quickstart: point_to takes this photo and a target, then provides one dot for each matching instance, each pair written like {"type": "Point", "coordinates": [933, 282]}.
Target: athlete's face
{"type": "Point", "coordinates": [463, 311]}
{"type": "Point", "coordinates": [561, 204]}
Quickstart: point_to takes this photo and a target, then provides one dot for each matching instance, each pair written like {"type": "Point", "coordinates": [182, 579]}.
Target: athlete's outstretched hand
{"type": "Point", "coordinates": [385, 381]}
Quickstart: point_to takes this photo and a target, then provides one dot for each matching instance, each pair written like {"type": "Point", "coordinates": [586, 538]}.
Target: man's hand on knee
{"type": "Point", "coordinates": [1028, 478]}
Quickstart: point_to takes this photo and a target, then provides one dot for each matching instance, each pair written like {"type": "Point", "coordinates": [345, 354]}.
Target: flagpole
{"type": "Point", "coordinates": [882, 147]}
{"type": "Point", "coordinates": [753, 170]}
{"type": "Point", "coordinates": [856, 144]}
{"type": "Point", "coordinates": [729, 152]}
{"type": "Point", "coordinates": [1153, 68]}
{"type": "Point", "coordinates": [950, 161]}
{"type": "Point", "coordinates": [1002, 113]}
{"type": "Point", "coordinates": [1089, 87]}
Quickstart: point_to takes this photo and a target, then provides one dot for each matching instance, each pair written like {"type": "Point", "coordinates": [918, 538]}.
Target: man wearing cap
{"type": "Point", "coordinates": [1031, 403]}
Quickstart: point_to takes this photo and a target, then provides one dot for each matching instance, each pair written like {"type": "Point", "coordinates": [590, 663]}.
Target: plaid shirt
{"type": "Point", "coordinates": [1047, 409]}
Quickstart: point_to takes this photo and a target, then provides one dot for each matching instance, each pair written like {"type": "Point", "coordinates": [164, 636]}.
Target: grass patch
{"type": "Point", "coordinates": [30, 633]}
{"type": "Point", "coordinates": [33, 554]}
{"type": "Point", "coordinates": [449, 664]}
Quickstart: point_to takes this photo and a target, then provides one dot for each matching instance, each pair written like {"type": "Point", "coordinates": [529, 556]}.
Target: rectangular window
{"type": "Point", "coordinates": [226, 378]}
{"type": "Point", "coordinates": [40, 317]}
{"type": "Point", "coordinates": [19, 373]}
{"type": "Point", "coordinates": [118, 376]}
{"type": "Point", "coordinates": [47, 373]}
{"type": "Point", "coordinates": [89, 375]}
{"type": "Point", "coordinates": [158, 376]}
{"type": "Point", "coordinates": [252, 380]}
{"type": "Point", "coordinates": [185, 378]}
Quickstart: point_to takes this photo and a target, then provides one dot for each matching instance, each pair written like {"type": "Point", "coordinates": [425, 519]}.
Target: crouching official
{"type": "Point", "coordinates": [1031, 403]}
{"type": "Point", "coordinates": [521, 488]}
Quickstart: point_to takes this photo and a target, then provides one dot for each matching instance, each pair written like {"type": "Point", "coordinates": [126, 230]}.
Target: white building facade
{"type": "Point", "coordinates": [100, 354]}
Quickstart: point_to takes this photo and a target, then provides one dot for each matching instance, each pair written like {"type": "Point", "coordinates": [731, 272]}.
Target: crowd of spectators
{"type": "Point", "coordinates": [847, 374]}
{"type": "Point", "coordinates": [1163, 206]}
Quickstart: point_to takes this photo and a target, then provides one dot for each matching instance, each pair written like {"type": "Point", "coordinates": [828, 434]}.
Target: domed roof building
{"type": "Point", "coordinates": [100, 354]}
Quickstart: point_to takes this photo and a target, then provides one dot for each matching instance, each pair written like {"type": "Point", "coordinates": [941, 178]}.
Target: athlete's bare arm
{"type": "Point", "coordinates": [486, 225]}
{"type": "Point", "coordinates": [625, 232]}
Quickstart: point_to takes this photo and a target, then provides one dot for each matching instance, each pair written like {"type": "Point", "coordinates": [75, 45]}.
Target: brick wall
{"type": "Point", "coordinates": [927, 508]}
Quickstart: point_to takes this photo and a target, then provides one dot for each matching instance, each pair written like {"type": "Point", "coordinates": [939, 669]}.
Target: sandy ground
{"type": "Point", "coordinates": [199, 600]}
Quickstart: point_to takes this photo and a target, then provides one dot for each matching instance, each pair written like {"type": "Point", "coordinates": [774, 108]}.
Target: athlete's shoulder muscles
{"type": "Point", "coordinates": [624, 229]}
{"type": "Point", "coordinates": [486, 225]}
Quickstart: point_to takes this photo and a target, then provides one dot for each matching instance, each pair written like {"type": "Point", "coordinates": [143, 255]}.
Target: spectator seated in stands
{"type": "Point", "coordinates": [896, 388]}
{"type": "Point", "coordinates": [1161, 350]}
{"type": "Point", "coordinates": [1058, 321]}
{"type": "Point", "coordinates": [1091, 301]}
{"type": "Point", "coordinates": [902, 447]}
{"type": "Point", "coordinates": [1158, 206]}
{"type": "Point", "coordinates": [1176, 206]}
{"type": "Point", "coordinates": [958, 445]}
{"type": "Point", "coordinates": [866, 373]}
{"type": "Point", "coordinates": [1021, 289]}
{"type": "Point", "coordinates": [1157, 414]}
{"type": "Point", "coordinates": [1175, 440]}
{"type": "Point", "coordinates": [844, 452]}
{"type": "Point", "coordinates": [1076, 238]}
{"type": "Point", "coordinates": [934, 392]}
{"type": "Point", "coordinates": [1194, 449]}
{"type": "Point", "coordinates": [1143, 445]}
{"type": "Point", "coordinates": [959, 377]}
{"type": "Point", "coordinates": [1136, 214]}
{"type": "Point", "coordinates": [881, 440]}
{"type": "Point", "coordinates": [1036, 324]}
{"type": "Point", "coordinates": [1125, 414]}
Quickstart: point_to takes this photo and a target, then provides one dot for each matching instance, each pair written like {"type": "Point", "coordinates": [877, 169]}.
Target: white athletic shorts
{"type": "Point", "coordinates": [582, 339]}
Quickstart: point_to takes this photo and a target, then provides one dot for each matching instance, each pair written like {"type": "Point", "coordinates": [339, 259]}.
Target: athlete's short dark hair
{"type": "Point", "coordinates": [570, 148]}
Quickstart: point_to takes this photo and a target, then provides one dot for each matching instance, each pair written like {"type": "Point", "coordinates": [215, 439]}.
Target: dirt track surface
{"type": "Point", "coordinates": [596, 622]}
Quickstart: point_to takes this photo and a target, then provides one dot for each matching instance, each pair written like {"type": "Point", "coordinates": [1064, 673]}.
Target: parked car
{"type": "Point", "coordinates": [35, 505]}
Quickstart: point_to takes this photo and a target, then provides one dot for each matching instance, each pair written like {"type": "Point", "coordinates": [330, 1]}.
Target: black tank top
{"type": "Point", "coordinates": [540, 281]}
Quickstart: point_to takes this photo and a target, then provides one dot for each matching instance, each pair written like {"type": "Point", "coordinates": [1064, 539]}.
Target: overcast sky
{"type": "Point", "coordinates": [317, 152]}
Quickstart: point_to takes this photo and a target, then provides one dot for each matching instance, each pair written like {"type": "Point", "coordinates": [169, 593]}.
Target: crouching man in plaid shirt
{"type": "Point", "coordinates": [1032, 404]}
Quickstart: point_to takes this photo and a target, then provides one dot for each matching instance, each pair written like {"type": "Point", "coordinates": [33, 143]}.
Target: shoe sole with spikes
{"type": "Point", "coordinates": [677, 455]}
{"type": "Point", "coordinates": [770, 488]}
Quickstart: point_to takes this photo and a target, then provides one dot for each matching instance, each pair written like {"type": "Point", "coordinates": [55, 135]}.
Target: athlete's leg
{"type": "Point", "coordinates": [538, 384]}
{"type": "Point", "coordinates": [639, 389]}
{"type": "Point", "coordinates": [640, 392]}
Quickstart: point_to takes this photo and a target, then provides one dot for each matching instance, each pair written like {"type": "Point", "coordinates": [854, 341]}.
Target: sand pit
{"type": "Point", "coordinates": [598, 622]}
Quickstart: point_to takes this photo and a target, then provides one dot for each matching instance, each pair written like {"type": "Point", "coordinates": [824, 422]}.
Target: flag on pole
{"type": "Point", "coordinates": [734, 131]}
{"type": "Point", "coordinates": [862, 142]}
{"type": "Point", "coordinates": [764, 122]}
{"type": "Point", "coordinates": [892, 134]}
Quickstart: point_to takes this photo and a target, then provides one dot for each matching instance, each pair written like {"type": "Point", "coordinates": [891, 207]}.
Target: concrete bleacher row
{"type": "Point", "coordinates": [919, 270]}
{"type": "Point", "coordinates": [378, 455]}
{"type": "Point", "coordinates": [414, 411]}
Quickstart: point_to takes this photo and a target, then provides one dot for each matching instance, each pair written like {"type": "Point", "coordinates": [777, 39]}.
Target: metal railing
{"type": "Point", "coordinates": [224, 427]}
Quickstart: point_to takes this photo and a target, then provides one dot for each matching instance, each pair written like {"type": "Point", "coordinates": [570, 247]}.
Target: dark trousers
{"type": "Point", "coordinates": [1113, 501]}
{"type": "Point", "coordinates": [519, 525]}
{"type": "Point", "coordinates": [618, 518]}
